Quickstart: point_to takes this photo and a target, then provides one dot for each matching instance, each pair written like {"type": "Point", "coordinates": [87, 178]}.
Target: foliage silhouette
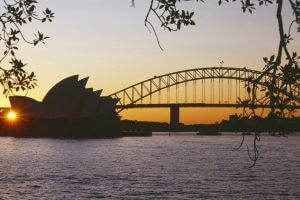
{"type": "Point", "coordinates": [13, 16]}
{"type": "Point", "coordinates": [281, 91]}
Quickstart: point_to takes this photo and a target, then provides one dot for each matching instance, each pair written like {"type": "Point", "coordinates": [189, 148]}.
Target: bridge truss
{"type": "Point", "coordinates": [202, 87]}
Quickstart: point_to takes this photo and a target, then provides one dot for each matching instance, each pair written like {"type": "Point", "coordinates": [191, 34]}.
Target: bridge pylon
{"type": "Point", "coordinates": [174, 115]}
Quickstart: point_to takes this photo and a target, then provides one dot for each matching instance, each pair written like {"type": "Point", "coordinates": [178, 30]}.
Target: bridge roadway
{"type": "Point", "coordinates": [192, 105]}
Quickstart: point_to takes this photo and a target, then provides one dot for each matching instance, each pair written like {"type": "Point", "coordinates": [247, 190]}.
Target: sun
{"type": "Point", "coordinates": [11, 116]}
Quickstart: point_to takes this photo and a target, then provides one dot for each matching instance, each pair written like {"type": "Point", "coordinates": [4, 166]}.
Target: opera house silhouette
{"type": "Point", "coordinates": [69, 109]}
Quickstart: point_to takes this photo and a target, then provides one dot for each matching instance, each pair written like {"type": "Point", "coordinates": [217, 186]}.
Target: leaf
{"type": "Point", "coordinates": [191, 15]}
{"type": "Point", "coordinates": [179, 25]}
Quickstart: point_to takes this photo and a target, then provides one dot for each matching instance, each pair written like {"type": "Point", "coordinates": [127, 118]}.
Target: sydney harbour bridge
{"type": "Point", "coordinates": [198, 87]}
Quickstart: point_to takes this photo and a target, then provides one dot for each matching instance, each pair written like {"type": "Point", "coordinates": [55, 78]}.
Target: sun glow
{"type": "Point", "coordinates": [11, 116]}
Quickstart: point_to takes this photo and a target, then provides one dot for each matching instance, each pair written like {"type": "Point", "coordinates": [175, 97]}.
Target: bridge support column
{"type": "Point", "coordinates": [174, 115]}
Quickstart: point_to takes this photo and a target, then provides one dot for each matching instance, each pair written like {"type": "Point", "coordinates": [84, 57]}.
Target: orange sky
{"type": "Point", "coordinates": [107, 41]}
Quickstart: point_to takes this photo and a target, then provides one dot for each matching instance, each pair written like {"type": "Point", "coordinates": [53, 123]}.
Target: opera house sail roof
{"type": "Point", "coordinates": [69, 98]}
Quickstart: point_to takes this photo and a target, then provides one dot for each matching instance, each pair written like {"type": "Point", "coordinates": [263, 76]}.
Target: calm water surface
{"type": "Point", "coordinates": [158, 167]}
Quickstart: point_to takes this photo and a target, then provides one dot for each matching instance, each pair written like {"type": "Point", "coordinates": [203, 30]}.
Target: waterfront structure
{"type": "Point", "coordinates": [68, 99]}
{"type": "Point", "coordinates": [69, 109]}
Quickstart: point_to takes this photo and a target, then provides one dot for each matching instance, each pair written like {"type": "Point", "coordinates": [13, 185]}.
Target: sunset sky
{"type": "Point", "coordinates": [107, 41]}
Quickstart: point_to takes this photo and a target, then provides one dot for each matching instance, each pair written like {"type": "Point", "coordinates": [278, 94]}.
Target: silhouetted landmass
{"type": "Point", "coordinates": [261, 124]}
{"type": "Point", "coordinates": [232, 125]}
{"type": "Point", "coordinates": [101, 126]}
{"type": "Point", "coordinates": [104, 126]}
{"type": "Point", "coordinates": [128, 125]}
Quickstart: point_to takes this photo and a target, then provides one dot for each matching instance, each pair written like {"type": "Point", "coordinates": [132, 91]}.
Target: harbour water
{"type": "Point", "coordinates": [181, 166]}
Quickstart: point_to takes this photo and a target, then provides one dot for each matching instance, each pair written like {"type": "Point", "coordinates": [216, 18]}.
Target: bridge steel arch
{"type": "Point", "coordinates": [137, 92]}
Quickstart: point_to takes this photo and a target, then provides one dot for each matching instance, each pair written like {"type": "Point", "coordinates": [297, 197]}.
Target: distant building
{"type": "Point", "coordinates": [67, 99]}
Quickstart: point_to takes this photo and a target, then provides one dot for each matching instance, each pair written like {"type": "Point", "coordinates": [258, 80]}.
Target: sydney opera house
{"type": "Point", "coordinates": [68, 109]}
